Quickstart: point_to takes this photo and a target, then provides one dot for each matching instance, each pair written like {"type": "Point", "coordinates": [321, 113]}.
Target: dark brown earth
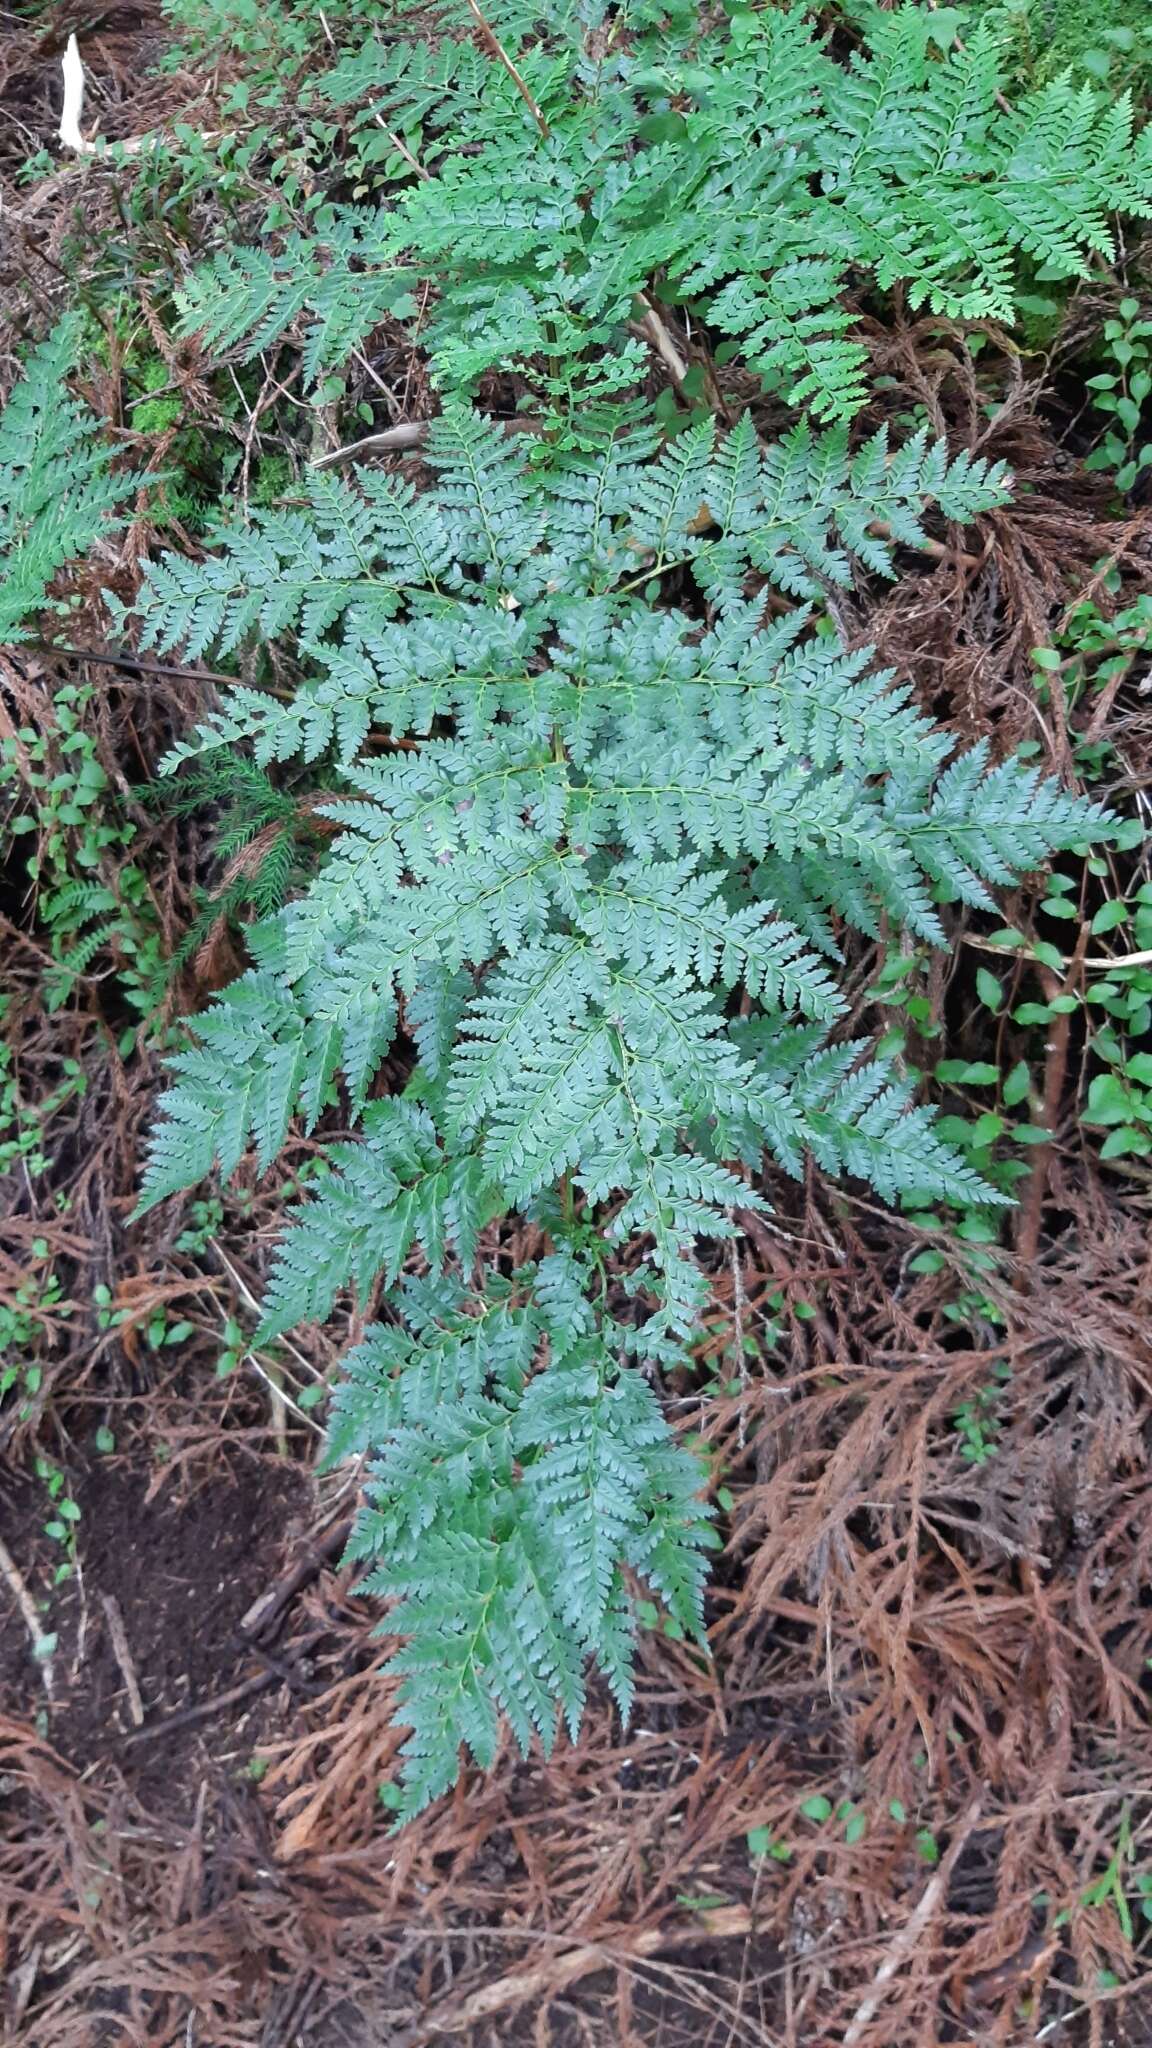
{"type": "Point", "coordinates": [177, 1564]}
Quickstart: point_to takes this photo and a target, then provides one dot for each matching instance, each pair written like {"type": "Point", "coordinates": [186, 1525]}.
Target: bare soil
{"type": "Point", "coordinates": [165, 1572]}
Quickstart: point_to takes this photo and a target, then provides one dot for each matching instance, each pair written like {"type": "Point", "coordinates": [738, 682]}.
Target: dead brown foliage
{"type": "Point", "coordinates": [960, 1652]}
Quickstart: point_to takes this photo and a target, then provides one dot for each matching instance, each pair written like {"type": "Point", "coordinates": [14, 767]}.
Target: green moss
{"type": "Point", "coordinates": [156, 415]}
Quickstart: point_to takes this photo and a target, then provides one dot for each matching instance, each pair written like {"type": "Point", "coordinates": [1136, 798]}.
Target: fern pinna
{"type": "Point", "coordinates": [636, 162]}
{"type": "Point", "coordinates": [594, 857]}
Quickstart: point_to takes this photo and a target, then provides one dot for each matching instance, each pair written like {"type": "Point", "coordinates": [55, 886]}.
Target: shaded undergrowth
{"type": "Point", "coordinates": [908, 1792]}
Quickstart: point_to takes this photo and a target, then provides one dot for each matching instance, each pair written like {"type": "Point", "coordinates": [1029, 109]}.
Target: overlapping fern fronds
{"type": "Point", "coordinates": [756, 181]}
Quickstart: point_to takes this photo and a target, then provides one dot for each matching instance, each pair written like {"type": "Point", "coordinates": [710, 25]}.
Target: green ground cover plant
{"type": "Point", "coordinates": [555, 186]}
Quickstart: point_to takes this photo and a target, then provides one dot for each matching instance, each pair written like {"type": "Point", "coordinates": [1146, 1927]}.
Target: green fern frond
{"type": "Point", "coordinates": [345, 559]}
{"type": "Point", "coordinates": [595, 857]}
{"type": "Point", "coordinates": [394, 1190]}
{"type": "Point", "coordinates": [58, 493]}
{"type": "Point", "coordinates": [790, 172]}
{"type": "Point", "coordinates": [520, 1470]}
{"type": "Point", "coordinates": [251, 295]}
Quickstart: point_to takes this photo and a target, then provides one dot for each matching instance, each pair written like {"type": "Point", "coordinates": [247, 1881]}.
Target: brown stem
{"type": "Point", "coordinates": [9, 1571]}
{"type": "Point", "coordinates": [1055, 1069]}
{"type": "Point", "coordinates": [652, 328]}
{"type": "Point", "coordinates": [406, 434]}
{"type": "Point", "coordinates": [911, 1937]}
{"type": "Point", "coordinates": [496, 49]}
{"type": "Point", "coordinates": [314, 1559]}
{"type": "Point", "coordinates": [726, 1923]}
{"type": "Point", "coordinates": [205, 1710]}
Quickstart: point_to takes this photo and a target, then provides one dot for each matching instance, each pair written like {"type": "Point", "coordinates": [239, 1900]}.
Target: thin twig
{"type": "Point", "coordinates": [123, 1656]}
{"type": "Point", "coordinates": [1105, 961]}
{"type": "Point", "coordinates": [137, 661]}
{"type": "Point", "coordinates": [72, 111]}
{"type": "Point", "coordinates": [206, 1710]}
{"type": "Point", "coordinates": [278, 1395]}
{"type": "Point", "coordinates": [908, 1938]}
{"type": "Point", "coordinates": [738, 1306]}
{"type": "Point", "coordinates": [938, 549]}
{"type": "Point", "coordinates": [725, 1923]}
{"type": "Point", "coordinates": [390, 441]}
{"type": "Point", "coordinates": [496, 49]}
{"type": "Point", "coordinates": [401, 147]}
{"type": "Point", "coordinates": [31, 1619]}
{"type": "Point", "coordinates": [652, 328]}
{"type": "Point", "coordinates": [275, 1386]}
{"type": "Point", "coordinates": [408, 434]}
{"type": "Point", "coordinates": [258, 1618]}
{"type": "Point", "coordinates": [1110, 1994]}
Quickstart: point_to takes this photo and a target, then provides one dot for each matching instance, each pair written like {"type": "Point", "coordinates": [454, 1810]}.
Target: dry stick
{"type": "Point", "coordinates": [137, 661]}
{"type": "Point", "coordinates": [725, 1923]}
{"type": "Point", "coordinates": [652, 329]}
{"type": "Point", "coordinates": [31, 1619]}
{"type": "Point", "coordinates": [71, 114]}
{"type": "Point", "coordinates": [243, 1289]}
{"type": "Point", "coordinates": [402, 147]}
{"type": "Point", "coordinates": [1111, 1995]}
{"type": "Point", "coordinates": [391, 441]}
{"type": "Point", "coordinates": [250, 1358]}
{"type": "Point", "coordinates": [123, 1656]}
{"type": "Point", "coordinates": [908, 1938]}
{"type": "Point", "coordinates": [279, 1401]}
{"type": "Point", "coordinates": [1109, 960]}
{"type": "Point", "coordinates": [496, 49]}
{"type": "Point", "coordinates": [1105, 960]}
{"type": "Point", "coordinates": [72, 110]}
{"type": "Point", "coordinates": [309, 1565]}
{"type": "Point", "coordinates": [412, 433]}
{"type": "Point", "coordinates": [408, 434]}
{"type": "Point", "coordinates": [938, 549]}
{"type": "Point", "coordinates": [1055, 1068]}
{"type": "Point", "coordinates": [205, 1710]}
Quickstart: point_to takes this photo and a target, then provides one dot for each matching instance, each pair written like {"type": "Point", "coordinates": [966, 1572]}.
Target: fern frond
{"type": "Point", "coordinates": [990, 824]}
{"type": "Point", "coordinates": [260, 1058]}
{"type": "Point", "coordinates": [504, 1504]}
{"type": "Point", "coordinates": [667, 917]}
{"type": "Point", "coordinates": [789, 173]}
{"type": "Point", "coordinates": [345, 284]}
{"type": "Point", "coordinates": [346, 558]}
{"type": "Point", "coordinates": [596, 857]}
{"type": "Point", "coordinates": [58, 493]}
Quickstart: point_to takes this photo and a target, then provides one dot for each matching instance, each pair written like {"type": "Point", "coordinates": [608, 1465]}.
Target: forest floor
{"type": "Point", "coordinates": [926, 1711]}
